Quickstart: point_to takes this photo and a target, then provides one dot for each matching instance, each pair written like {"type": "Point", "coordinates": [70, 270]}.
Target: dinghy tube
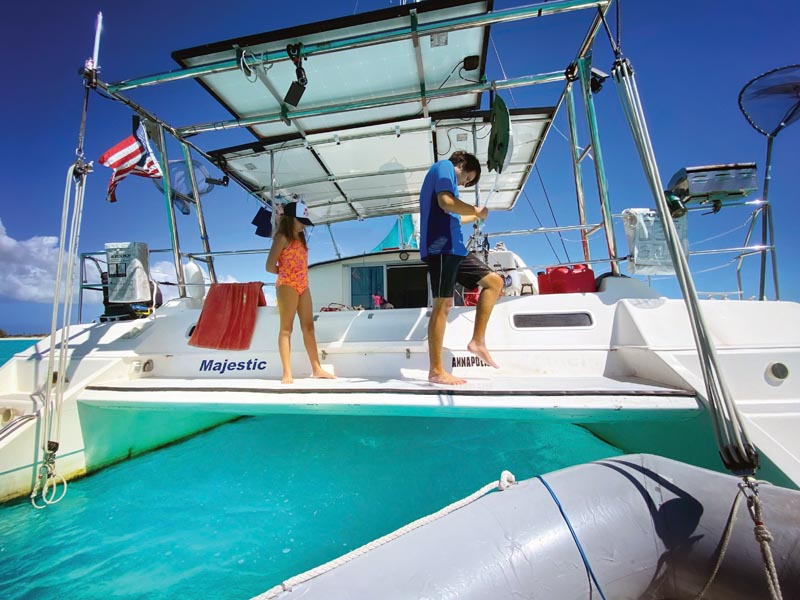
{"type": "Point", "coordinates": [650, 528]}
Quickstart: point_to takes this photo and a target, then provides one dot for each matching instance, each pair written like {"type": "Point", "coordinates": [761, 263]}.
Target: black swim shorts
{"type": "Point", "coordinates": [447, 269]}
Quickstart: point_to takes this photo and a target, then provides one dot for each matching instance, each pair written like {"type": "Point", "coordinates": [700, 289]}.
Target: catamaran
{"type": "Point", "coordinates": [578, 342]}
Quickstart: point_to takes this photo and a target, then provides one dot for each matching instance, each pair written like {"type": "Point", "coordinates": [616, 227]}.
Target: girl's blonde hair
{"type": "Point", "coordinates": [286, 229]}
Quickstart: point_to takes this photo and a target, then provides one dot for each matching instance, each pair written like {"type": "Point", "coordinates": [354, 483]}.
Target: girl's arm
{"type": "Point", "coordinates": [279, 242]}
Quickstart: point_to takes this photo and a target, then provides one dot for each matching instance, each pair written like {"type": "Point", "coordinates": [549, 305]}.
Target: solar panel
{"type": "Point", "coordinates": [386, 97]}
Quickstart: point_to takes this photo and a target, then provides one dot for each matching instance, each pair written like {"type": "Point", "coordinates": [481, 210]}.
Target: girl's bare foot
{"type": "Point", "coordinates": [445, 378]}
{"type": "Point", "coordinates": [287, 378]}
{"type": "Point", "coordinates": [482, 352]}
{"type": "Point", "coordinates": [322, 374]}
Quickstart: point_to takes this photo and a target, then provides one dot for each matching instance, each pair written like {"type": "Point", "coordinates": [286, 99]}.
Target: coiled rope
{"type": "Point", "coordinates": [506, 480]}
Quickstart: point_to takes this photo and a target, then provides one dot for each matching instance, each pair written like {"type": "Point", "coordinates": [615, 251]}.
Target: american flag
{"type": "Point", "coordinates": [132, 156]}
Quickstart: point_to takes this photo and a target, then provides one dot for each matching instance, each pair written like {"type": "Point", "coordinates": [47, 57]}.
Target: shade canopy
{"type": "Point", "coordinates": [385, 97]}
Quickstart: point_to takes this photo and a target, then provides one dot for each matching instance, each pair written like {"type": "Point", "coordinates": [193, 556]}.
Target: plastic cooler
{"type": "Point", "coordinates": [567, 280]}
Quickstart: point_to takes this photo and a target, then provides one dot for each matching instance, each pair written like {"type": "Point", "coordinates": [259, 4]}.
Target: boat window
{"type": "Point", "coordinates": [530, 321]}
{"type": "Point", "coordinates": [366, 284]}
{"type": "Point", "coordinates": [407, 285]}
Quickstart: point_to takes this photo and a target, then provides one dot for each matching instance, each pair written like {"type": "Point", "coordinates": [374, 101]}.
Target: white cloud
{"type": "Point", "coordinates": [28, 267]}
{"type": "Point", "coordinates": [164, 271]}
{"type": "Point", "coordinates": [28, 271]}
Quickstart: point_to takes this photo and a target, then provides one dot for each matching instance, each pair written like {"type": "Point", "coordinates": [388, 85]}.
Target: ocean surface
{"type": "Point", "coordinates": [10, 346]}
{"type": "Point", "coordinates": [231, 512]}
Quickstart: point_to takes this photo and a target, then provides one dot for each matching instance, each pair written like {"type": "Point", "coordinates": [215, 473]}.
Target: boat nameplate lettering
{"type": "Point", "coordinates": [468, 361]}
{"type": "Point", "coordinates": [223, 366]}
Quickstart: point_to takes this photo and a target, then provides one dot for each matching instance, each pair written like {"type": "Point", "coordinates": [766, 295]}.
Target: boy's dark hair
{"type": "Point", "coordinates": [468, 162]}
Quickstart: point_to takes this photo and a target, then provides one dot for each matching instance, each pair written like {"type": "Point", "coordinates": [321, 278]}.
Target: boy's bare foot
{"type": "Point", "coordinates": [482, 352]}
{"type": "Point", "coordinates": [287, 378]}
{"type": "Point", "coordinates": [445, 378]}
{"type": "Point", "coordinates": [322, 374]}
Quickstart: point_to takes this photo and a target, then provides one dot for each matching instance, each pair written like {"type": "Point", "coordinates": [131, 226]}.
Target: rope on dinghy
{"type": "Point", "coordinates": [748, 488]}
{"type": "Point", "coordinates": [577, 541]}
{"type": "Point", "coordinates": [737, 452]}
{"type": "Point", "coordinates": [506, 480]}
{"type": "Point", "coordinates": [763, 536]}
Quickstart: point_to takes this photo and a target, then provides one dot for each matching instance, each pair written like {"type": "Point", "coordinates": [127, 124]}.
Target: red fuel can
{"type": "Point", "coordinates": [567, 280]}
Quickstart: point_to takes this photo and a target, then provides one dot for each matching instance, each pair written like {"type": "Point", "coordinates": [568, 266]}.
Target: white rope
{"type": "Point", "coordinates": [763, 537]}
{"type": "Point", "coordinates": [48, 480]}
{"type": "Point", "coordinates": [732, 439]}
{"type": "Point", "coordinates": [511, 93]}
{"type": "Point", "coordinates": [726, 537]}
{"type": "Point", "coordinates": [507, 479]}
{"type": "Point", "coordinates": [724, 233]}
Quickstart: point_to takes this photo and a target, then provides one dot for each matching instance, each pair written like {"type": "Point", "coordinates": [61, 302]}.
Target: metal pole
{"type": "Point", "coordinates": [397, 34]}
{"type": "Point", "coordinates": [333, 240]}
{"type": "Point", "coordinates": [576, 169]}
{"type": "Point", "coordinates": [82, 275]}
{"type": "Point", "coordinates": [274, 208]}
{"type": "Point", "coordinates": [293, 115]}
{"type": "Point", "coordinates": [767, 230]}
{"type": "Point", "coordinates": [173, 226]}
{"type": "Point", "coordinates": [584, 72]}
{"type": "Point", "coordinates": [187, 157]}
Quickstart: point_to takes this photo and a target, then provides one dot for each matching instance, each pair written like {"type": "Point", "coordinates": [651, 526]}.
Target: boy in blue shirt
{"type": "Point", "coordinates": [442, 248]}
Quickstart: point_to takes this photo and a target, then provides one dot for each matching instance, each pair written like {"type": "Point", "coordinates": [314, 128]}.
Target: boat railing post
{"type": "Point", "coordinates": [81, 279]}
{"type": "Point", "coordinates": [584, 74]}
{"type": "Point", "coordinates": [576, 169]}
{"type": "Point", "coordinates": [740, 258]}
{"type": "Point", "coordinates": [201, 222]}
{"type": "Point", "coordinates": [767, 231]}
{"type": "Point", "coordinates": [173, 226]}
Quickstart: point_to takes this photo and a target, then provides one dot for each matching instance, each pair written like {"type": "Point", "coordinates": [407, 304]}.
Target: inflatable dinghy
{"type": "Point", "coordinates": [649, 528]}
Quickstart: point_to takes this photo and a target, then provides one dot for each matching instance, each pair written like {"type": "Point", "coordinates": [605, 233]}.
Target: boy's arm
{"type": "Point", "coordinates": [467, 212]}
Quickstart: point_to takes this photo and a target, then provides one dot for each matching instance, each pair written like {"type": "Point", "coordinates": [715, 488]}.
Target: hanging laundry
{"type": "Point", "coordinates": [263, 222]}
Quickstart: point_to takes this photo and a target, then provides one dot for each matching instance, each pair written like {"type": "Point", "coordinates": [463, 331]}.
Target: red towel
{"type": "Point", "coordinates": [228, 317]}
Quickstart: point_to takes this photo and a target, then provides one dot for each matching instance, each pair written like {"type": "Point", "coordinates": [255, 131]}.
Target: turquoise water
{"type": "Point", "coordinates": [231, 512]}
{"type": "Point", "coordinates": [9, 347]}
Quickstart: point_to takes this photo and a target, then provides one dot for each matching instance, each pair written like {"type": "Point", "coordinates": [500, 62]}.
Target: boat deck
{"type": "Point", "coordinates": [560, 397]}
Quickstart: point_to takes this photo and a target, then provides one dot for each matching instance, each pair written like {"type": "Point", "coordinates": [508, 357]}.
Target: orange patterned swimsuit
{"type": "Point", "coordinates": [293, 267]}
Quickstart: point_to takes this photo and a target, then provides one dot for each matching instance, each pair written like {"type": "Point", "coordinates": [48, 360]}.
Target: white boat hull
{"type": "Point", "coordinates": [629, 376]}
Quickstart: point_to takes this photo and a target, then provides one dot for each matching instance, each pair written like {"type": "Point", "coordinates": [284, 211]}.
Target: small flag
{"type": "Point", "coordinates": [132, 156]}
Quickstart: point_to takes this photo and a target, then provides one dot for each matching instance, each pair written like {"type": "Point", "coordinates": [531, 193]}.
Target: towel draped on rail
{"type": "Point", "coordinates": [228, 317]}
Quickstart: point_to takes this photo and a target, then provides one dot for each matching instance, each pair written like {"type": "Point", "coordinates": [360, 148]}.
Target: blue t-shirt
{"type": "Point", "coordinates": [440, 231]}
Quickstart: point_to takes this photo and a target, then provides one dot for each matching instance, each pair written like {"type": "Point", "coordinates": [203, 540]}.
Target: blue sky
{"type": "Point", "coordinates": [691, 60]}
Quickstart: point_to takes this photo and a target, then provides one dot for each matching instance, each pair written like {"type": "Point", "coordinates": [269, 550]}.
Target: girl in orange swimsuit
{"type": "Point", "coordinates": [288, 258]}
